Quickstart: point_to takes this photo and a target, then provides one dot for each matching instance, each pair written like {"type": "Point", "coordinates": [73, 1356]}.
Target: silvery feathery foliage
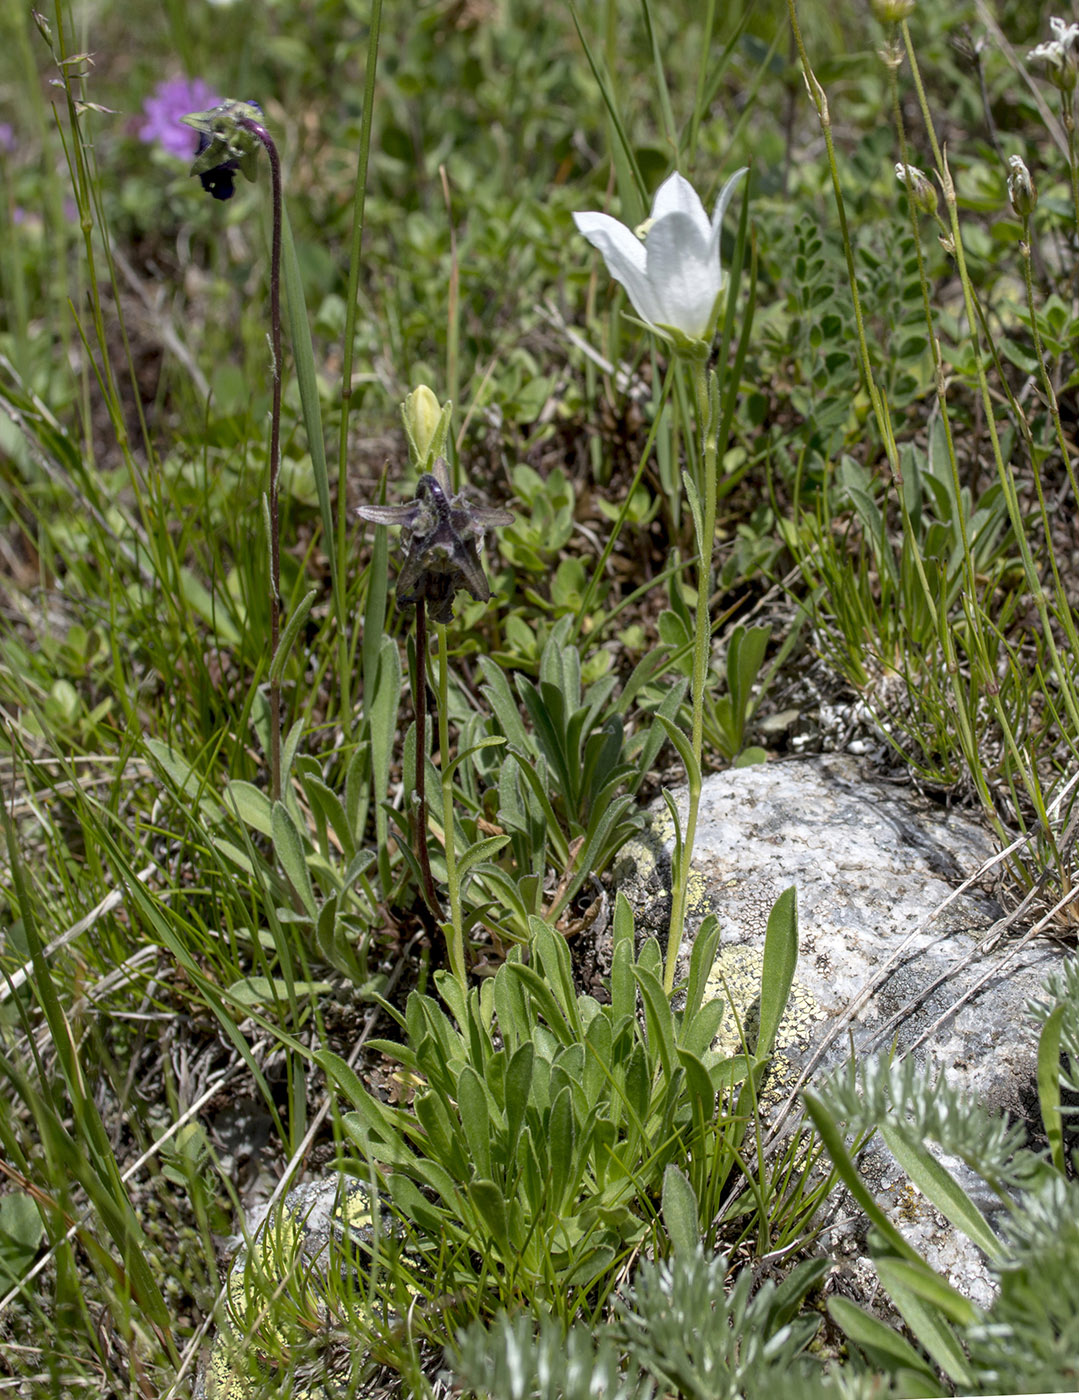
{"type": "Point", "coordinates": [681, 1324]}
{"type": "Point", "coordinates": [516, 1361]}
{"type": "Point", "coordinates": [704, 1341]}
{"type": "Point", "coordinates": [876, 1092]}
{"type": "Point", "coordinates": [1028, 1343]}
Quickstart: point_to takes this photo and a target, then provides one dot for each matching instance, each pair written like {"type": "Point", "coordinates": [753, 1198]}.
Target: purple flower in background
{"type": "Point", "coordinates": [163, 109]}
{"type": "Point", "coordinates": [7, 137]}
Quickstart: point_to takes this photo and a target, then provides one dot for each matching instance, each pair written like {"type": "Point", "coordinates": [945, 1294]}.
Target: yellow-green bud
{"type": "Point", "coordinates": [426, 426]}
{"type": "Point", "coordinates": [1021, 188]}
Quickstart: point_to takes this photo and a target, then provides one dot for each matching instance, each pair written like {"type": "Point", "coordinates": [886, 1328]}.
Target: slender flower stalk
{"type": "Point", "coordinates": [419, 704]}
{"type": "Point", "coordinates": [702, 638]}
{"type": "Point", "coordinates": [443, 533]}
{"type": "Point", "coordinates": [227, 137]}
{"type": "Point", "coordinates": [454, 931]}
{"type": "Point", "coordinates": [670, 268]}
{"type": "Point", "coordinates": [261, 134]}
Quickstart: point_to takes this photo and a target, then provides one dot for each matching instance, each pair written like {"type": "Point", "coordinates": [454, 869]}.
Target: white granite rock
{"type": "Point", "coordinates": [889, 952]}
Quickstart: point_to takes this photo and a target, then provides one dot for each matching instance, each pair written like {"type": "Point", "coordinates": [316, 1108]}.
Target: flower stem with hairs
{"type": "Point", "coordinates": [263, 136]}
{"type": "Point", "coordinates": [229, 137]}
{"type": "Point", "coordinates": [419, 704]}
{"type": "Point", "coordinates": [707, 414]}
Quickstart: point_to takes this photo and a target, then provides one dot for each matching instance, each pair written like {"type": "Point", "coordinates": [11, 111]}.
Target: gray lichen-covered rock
{"type": "Point", "coordinates": [279, 1289]}
{"type": "Point", "coordinates": [889, 953]}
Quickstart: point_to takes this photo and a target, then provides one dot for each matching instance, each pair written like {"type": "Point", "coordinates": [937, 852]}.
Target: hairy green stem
{"type": "Point", "coordinates": [455, 937]}
{"type": "Point", "coordinates": [701, 643]}
{"type": "Point", "coordinates": [419, 703]}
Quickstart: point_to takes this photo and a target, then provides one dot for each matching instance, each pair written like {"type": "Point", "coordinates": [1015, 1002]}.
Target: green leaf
{"type": "Point", "coordinates": [289, 849]}
{"type": "Point", "coordinates": [490, 1205]}
{"type": "Point", "coordinates": [930, 1286]}
{"type": "Point", "coordinates": [260, 991]}
{"type": "Point", "coordinates": [288, 637]}
{"type": "Point", "coordinates": [679, 1207]}
{"type": "Point", "coordinates": [682, 744]}
{"type": "Point", "coordinates": [832, 1138]}
{"type": "Point", "coordinates": [21, 1232]}
{"type": "Point", "coordinates": [552, 957]}
{"type": "Point", "coordinates": [545, 1000]}
{"type": "Point", "coordinates": [939, 1186]}
{"type": "Point", "coordinates": [475, 1118]}
{"type": "Point", "coordinates": [1049, 1084]}
{"type": "Point", "coordinates": [877, 1337]}
{"type": "Point", "coordinates": [561, 1141]}
{"type": "Point", "coordinates": [341, 1074]}
{"type": "Point", "coordinates": [701, 961]}
{"type": "Point", "coordinates": [382, 718]}
{"type": "Point", "coordinates": [658, 1017]}
{"type": "Point", "coordinates": [623, 987]}
{"type": "Point", "coordinates": [518, 1092]}
{"type": "Point", "coordinates": [479, 851]}
{"type": "Point", "coordinates": [251, 804]}
{"type": "Point", "coordinates": [374, 1139]}
{"type": "Point", "coordinates": [777, 973]}
{"type": "Point", "coordinates": [924, 1320]}
{"type": "Point", "coordinates": [703, 549]}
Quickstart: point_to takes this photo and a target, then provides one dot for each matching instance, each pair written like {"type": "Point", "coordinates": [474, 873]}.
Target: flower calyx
{"type": "Point", "coordinates": [226, 145]}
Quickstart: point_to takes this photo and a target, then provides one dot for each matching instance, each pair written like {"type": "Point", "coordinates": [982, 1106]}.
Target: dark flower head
{"type": "Point", "coordinates": [443, 535]}
{"type": "Point", "coordinates": [225, 145]}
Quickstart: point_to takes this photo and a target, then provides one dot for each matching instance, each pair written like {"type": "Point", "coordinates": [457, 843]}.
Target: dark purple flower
{"type": "Point", "coordinates": [442, 538]}
{"type": "Point", "coordinates": [171, 100]}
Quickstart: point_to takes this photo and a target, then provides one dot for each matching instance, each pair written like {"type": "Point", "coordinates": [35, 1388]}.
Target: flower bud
{"type": "Point", "coordinates": [427, 426]}
{"type": "Point", "coordinates": [1021, 188]}
{"type": "Point", "coordinates": [925, 196]}
{"type": "Point", "coordinates": [891, 11]}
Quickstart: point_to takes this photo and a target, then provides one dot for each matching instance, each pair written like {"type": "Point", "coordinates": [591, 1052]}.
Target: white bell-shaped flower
{"type": "Point", "coordinates": [672, 275]}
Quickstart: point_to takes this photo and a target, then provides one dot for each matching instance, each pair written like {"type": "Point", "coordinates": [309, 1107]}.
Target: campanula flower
{"type": "Point", "coordinates": [225, 145]}
{"type": "Point", "coordinates": [670, 266]}
{"type": "Point", "coordinates": [165, 109]}
{"type": "Point", "coordinates": [1060, 54]}
{"type": "Point", "coordinates": [442, 537]}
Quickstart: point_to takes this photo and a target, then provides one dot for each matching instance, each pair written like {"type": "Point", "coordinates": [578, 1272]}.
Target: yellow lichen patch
{"type": "Point", "coordinates": [640, 858]}
{"type": "Point", "coordinates": [736, 979]}
{"type": "Point", "coordinates": [696, 892]}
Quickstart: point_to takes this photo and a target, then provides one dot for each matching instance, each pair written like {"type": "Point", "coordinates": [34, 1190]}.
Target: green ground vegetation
{"type": "Point", "coordinates": [225, 960]}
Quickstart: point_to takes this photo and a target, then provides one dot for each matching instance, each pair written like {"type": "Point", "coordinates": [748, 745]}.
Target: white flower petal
{"type": "Point", "coordinates": [624, 254]}
{"type": "Point", "coordinates": [717, 216]}
{"type": "Point", "coordinates": [677, 196]}
{"type": "Point", "coordinates": [725, 198]}
{"type": "Point", "coordinates": [684, 273]}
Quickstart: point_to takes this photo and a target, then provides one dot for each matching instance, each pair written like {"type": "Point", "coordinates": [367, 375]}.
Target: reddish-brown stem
{"type": "Point", "coordinates": [259, 131]}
